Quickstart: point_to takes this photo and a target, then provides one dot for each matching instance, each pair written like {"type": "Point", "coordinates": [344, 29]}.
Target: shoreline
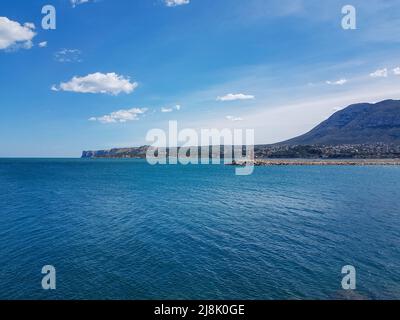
{"type": "Point", "coordinates": [319, 162]}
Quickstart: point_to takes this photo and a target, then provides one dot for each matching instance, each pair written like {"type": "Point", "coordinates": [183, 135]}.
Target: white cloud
{"type": "Point", "coordinates": [380, 73]}
{"type": "Point", "coordinates": [232, 118]}
{"type": "Point", "coordinates": [174, 3]}
{"type": "Point", "coordinates": [237, 96]}
{"type": "Point", "coordinates": [109, 83]}
{"type": "Point", "coordinates": [337, 83]}
{"type": "Point", "coordinates": [43, 44]}
{"type": "Point", "coordinates": [68, 55]}
{"type": "Point", "coordinates": [121, 116]}
{"type": "Point", "coordinates": [29, 25]}
{"type": "Point", "coordinates": [396, 71]}
{"type": "Point", "coordinates": [166, 110]}
{"type": "Point", "coordinates": [78, 2]}
{"type": "Point", "coordinates": [15, 35]}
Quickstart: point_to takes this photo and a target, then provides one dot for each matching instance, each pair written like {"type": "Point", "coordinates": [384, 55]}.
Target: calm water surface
{"type": "Point", "coordinates": [121, 229]}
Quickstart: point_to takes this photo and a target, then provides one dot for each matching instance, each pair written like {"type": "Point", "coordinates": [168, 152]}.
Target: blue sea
{"type": "Point", "coordinates": [122, 229]}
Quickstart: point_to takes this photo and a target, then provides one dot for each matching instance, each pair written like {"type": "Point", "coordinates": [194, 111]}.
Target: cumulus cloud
{"type": "Point", "coordinates": [109, 83]}
{"type": "Point", "coordinates": [232, 118]}
{"type": "Point", "coordinates": [78, 2]}
{"type": "Point", "coordinates": [174, 3]}
{"type": "Point", "coordinates": [121, 116]}
{"type": "Point", "coordinates": [15, 35]}
{"type": "Point", "coordinates": [396, 71]}
{"type": "Point", "coordinates": [29, 25]}
{"type": "Point", "coordinates": [68, 55]}
{"type": "Point", "coordinates": [43, 44]}
{"type": "Point", "coordinates": [166, 109]}
{"type": "Point", "coordinates": [237, 96]}
{"type": "Point", "coordinates": [337, 83]}
{"type": "Point", "coordinates": [380, 73]}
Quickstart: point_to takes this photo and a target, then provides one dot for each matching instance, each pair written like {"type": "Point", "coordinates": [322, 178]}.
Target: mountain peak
{"type": "Point", "coordinates": [361, 123]}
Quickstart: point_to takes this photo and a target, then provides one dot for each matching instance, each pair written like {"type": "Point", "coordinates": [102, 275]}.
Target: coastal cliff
{"type": "Point", "coordinates": [139, 152]}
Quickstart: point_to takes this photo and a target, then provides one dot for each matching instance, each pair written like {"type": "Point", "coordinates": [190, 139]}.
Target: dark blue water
{"type": "Point", "coordinates": [121, 229]}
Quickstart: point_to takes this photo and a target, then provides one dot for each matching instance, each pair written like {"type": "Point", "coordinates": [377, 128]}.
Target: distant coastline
{"type": "Point", "coordinates": [360, 131]}
{"type": "Point", "coordinates": [332, 152]}
{"type": "Point", "coordinates": [320, 162]}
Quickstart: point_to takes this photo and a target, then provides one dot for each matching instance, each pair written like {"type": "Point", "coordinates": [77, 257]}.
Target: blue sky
{"type": "Point", "coordinates": [112, 70]}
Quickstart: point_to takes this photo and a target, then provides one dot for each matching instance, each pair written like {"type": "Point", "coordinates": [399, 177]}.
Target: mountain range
{"type": "Point", "coordinates": [363, 130]}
